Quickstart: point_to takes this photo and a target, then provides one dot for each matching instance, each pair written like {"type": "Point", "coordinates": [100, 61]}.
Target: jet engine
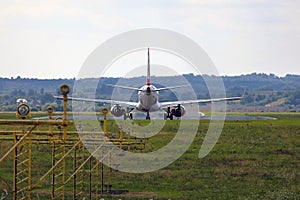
{"type": "Point", "coordinates": [178, 111]}
{"type": "Point", "coordinates": [117, 110]}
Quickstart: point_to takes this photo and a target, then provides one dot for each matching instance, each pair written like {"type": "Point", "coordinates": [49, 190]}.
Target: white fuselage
{"type": "Point", "coordinates": [148, 99]}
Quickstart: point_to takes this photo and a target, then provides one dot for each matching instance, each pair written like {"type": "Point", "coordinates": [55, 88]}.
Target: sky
{"type": "Point", "coordinates": [52, 39]}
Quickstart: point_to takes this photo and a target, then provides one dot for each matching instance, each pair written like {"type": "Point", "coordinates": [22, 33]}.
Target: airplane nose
{"type": "Point", "coordinates": [148, 90]}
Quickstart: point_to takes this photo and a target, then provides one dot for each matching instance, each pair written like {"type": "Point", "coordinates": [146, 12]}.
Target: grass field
{"type": "Point", "coordinates": [251, 160]}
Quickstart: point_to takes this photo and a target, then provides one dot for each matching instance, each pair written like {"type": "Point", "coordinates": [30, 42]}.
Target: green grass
{"type": "Point", "coordinates": [255, 159]}
{"type": "Point", "coordinates": [12, 115]}
{"type": "Point", "coordinates": [251, 160]}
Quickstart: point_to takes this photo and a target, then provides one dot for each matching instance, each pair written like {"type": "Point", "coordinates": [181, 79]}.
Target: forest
{"type": "Point", "coordinates": [261, 89]}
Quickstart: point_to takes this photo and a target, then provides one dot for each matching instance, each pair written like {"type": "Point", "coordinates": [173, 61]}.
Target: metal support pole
{"type": "Point", "coordinates": [29, 165]}
{"type": "Point", "coordinates": [90, 178]}
{"type": "Point", "coordinates": [102, 178]}
{"type": "Point", "coordinates": [15, 169]}
{"type": "Point", "coordinates": [104, 124]}
{"type": "Point", "coordinates": [64, 146]}
{"type": "Point", "coordinates": [74, 180]}
{"type": "Point", "coordinates": [52, 171]}
{"type": "Point", "coordinates": [121, 137]}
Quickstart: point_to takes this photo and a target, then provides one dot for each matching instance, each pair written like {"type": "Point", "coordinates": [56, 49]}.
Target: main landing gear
{"type": "Point", "coordinates": [128, 114]}
{"type": "Point", "coordinates": [168, 114]}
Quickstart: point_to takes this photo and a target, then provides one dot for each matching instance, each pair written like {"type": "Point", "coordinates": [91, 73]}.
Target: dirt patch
{"type": "Point", "coordinates": [166, 133]}
{"type": "Point", "coordinates": [148, 195]}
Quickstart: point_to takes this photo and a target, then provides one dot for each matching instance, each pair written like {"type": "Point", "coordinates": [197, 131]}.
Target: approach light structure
{"type": "Point", "coordinates": [23, 111]}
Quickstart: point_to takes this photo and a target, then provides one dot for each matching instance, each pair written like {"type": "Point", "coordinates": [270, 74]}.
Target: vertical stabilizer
{"type": "Point", "coordinates": [148, 69]}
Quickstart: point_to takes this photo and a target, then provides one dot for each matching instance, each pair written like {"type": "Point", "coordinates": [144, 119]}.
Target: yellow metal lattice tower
{"type": "Point", "coordinates": [78, 179]}
{"type": "Point", "coordinates": [22, 165]}
{"type": "Point", "coordinates": [58, 172]}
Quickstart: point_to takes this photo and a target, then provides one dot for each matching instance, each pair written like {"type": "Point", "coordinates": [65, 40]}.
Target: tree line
{"type": "Point", "coordinates": [261, 89]}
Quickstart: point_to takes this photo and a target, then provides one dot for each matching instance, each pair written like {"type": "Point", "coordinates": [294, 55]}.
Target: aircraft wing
{"type": "Point", "coordinates": [108, 101]}
{"type": "Point", "coordinates": [175, 103]}
{"type": "Point", "coordinates": [124, 87]}
{"type": "Point", "coordinates": [169, 88]}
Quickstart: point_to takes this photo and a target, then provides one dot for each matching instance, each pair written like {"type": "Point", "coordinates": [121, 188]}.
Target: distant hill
{"type": "Point", "coordinates": [262, 89]}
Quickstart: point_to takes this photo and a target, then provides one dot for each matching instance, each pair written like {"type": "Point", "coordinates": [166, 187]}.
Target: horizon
{"type": "Point", "coordinates": [74, 78]}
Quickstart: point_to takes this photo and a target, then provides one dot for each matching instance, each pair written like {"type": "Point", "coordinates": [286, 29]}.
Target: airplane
{"type": "Point", "coordinates": [148, 100]}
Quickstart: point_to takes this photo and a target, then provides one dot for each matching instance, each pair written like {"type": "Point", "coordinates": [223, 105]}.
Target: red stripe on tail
{"type": "Point", "coordinates": [148, 69]}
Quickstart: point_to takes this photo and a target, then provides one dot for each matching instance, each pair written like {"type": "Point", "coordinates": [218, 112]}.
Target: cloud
{"type": "Point", "coordinates": [59, 15]}
{"type": "Point", "coordinates": [234, 32]}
